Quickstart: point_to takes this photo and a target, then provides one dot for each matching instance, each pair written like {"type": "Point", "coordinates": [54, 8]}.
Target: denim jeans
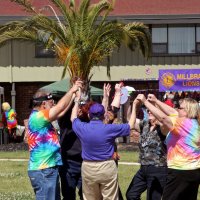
{"type": "Point", "coordinates": [150, 178]}
{"type": "Point", "coordinates": [45, 183]}
{"type": "Point", "coordinates": [70, 175]}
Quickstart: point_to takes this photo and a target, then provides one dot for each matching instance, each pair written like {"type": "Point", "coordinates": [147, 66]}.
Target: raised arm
{"type": "Point", "coordinates": [159, 114]}
{"type": "Point", "coordinates": [106, 95]}
{"type": "Point", "coordinates": [162, 106]}
{"type": "Point", "coordinates": [74, 113]}
{"type": "Point", "coordinates": [133, 122]}
{"type": "Point", "coordinates": [64, 101]}
{"type": "Point", "coordinates": [68, 107]}
{"type": "Point", "coordinates": [116, 100]}
{"type": "Point", "coordinates": [127, 109]}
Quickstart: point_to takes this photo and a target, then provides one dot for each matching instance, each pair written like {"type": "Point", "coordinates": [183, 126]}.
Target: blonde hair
{"type": "Point", "coordinates": [192, 108]}
{"type": "Point", "coordinates": [5, 106]}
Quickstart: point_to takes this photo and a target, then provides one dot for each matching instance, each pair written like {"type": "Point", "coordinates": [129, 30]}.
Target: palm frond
{"type": "Point", "coordinates": [68, 17]}
{"type": "Point", "coordinates": [28, 7]}
{"type": "Point", "coordinates": [140, 36]}
{"type": "Point", "coordinates": [83, 37]}
{"type": "Point", "coordinates": [95, 10]}
{"type": "Point", "coordinates": [83, 14]}
{"type": "Point", "coordinates": [17, 30]}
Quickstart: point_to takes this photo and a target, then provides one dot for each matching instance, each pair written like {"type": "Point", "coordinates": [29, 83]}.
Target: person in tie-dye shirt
{"type": "Point", "coordinates": [44, 144]}
{"type": "Point", "coordinates": [9, 120]}
{"type": "Point", "coordinates": [183, 146]}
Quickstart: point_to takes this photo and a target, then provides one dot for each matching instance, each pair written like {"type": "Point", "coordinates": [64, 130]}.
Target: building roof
{"type": "Point", "coordinates": [122, 7]}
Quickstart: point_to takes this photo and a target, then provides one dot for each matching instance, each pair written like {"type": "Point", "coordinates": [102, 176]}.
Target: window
{"type": "Point", "coordinates": [198, 40]}
{"type": "Point", "coordinates": [181, 40]}
{"type": "Point", "coordinates": [159, 48]}
{"type": "Point", "coordinates": [42, 52]}
{"type": "Point", "coordinates": [175, 40]}
{"type": "Point", "coordinates": [159, 40]}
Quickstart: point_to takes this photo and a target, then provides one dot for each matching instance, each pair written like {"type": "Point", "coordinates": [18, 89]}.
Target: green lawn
{"type": "Point", "coordinates": [15, 185]}
{"type": "Point", "coordinates": [14, 182]}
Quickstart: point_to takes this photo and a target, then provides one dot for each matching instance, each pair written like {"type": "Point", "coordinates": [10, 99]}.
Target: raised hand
{"type": "Point", "coordinates": [136, 102]}
{"type": "Point", "coordinates": [141, 98]}
{"type": "Point", "coordinates": [118, 88]}
{"type": "Point", "coordinates": [78, 84]}
{"type": "Point", "coordinates": [152, 98]}
{"type": "Point", "coordinates": [78, 95]}
{"type": "Point", "coordinates": [106, 90]}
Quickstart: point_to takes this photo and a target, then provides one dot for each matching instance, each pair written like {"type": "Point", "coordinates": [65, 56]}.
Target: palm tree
{"type": "Point", "coordinates": [82, 38]}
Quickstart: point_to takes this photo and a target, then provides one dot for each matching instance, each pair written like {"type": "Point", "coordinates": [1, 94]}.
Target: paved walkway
{"type": "Point", "coordinates": [128, 163]}
{"type": "Point", "coordinates": [23, 160]}
{"type": "Point", "coordinates": [12, 159]}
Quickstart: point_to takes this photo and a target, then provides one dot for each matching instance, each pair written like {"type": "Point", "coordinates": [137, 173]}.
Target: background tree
{"type": "Point", "coordinates": [81, 35]}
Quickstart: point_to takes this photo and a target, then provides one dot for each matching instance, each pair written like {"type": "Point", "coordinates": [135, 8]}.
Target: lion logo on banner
{"type": "Point", "coordinates": [168, 80]}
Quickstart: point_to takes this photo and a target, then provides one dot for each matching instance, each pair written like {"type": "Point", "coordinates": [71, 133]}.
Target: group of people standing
{"type": "Point", "coordinates": [84, 155]}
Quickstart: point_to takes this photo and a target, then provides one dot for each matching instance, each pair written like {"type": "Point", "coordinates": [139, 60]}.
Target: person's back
{"type": "Point", "coordinates": [70, 143]}
{"type": "Point", "coordinates": [70, 171]}
{"type": "Point", "coordinates": [99, 170]}
{"type": "Point", "coordinates": [98, 138]}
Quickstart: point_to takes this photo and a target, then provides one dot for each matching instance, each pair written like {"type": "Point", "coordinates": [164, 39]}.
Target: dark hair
{"type": "Point", "coordinates": [85, 110]}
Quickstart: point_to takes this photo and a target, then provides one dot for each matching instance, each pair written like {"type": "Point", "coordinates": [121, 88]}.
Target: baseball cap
{"type": "Point", "coordinates": [96, 110]}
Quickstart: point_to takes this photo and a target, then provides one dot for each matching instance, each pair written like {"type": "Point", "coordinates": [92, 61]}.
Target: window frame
{"type": "Point", "coordinates": [196, 53]}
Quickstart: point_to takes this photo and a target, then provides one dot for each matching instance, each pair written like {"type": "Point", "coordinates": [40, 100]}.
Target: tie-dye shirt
{"type": "Point", "coordinates": [43, 142]}
{"type": "Point", "coordinates": [9, 117]}
{"type": "Point", "coordinates": [183, 144]}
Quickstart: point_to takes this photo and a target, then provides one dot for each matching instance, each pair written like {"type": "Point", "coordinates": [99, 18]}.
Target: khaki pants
{"type": "Point", "coordinates": [99, 180]}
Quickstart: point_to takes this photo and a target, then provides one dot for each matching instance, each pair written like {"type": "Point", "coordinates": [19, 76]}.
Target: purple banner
{"type": "Point", "coordinates": [179, 80]}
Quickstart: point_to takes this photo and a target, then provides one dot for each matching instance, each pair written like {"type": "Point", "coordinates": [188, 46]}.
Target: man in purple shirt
{"type": "Point", "coordinates": [99, 171]}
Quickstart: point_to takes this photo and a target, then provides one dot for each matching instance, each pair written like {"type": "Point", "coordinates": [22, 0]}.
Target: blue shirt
{"type": "Point", "coordinates": [97, 139]}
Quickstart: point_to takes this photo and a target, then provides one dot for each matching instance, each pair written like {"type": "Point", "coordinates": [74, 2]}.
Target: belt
{"type": "Point", "coordinates": [98, 160]}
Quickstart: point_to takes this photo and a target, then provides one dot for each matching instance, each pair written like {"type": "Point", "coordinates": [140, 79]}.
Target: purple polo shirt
{"type": "Point", "coordinates": [97, 139]}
